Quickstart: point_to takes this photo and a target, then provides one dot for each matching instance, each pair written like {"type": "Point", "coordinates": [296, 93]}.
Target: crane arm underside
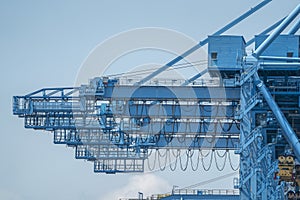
{"type": "Point", "coordinates": [253, 103]}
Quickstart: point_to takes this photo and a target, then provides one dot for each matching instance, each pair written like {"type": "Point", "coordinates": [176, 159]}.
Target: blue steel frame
{"type": "Point", "coordinates": [112, 124]}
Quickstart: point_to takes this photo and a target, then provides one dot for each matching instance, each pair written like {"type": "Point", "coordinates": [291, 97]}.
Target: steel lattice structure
{"type": "Point", "coordinates": [253, 110]}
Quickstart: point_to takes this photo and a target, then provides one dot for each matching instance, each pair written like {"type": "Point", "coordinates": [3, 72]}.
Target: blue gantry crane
{"type": "Point", "coordinates": [251, 107]}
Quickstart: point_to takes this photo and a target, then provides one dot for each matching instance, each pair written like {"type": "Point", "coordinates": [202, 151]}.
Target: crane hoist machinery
{"type": "Point", "coordinates": [253, 110]}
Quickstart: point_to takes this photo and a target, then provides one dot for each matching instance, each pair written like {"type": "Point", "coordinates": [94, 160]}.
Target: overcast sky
{"type": "Point", "coordinates": [45, 43]}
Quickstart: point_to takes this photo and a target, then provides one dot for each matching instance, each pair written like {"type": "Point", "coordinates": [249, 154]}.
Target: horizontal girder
{"type": "Point", "coordinates": [170, 93]}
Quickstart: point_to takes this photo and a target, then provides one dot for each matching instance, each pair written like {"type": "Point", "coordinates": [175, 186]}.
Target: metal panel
{"type": "Point", "coordinates": [280, 46]}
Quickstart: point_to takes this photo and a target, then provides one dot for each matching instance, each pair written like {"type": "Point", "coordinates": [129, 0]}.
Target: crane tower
{"type": "Point", "coordinates": [250, 107]}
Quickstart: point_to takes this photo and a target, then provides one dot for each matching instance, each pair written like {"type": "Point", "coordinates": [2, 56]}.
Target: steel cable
{"type": "Point", "coordinates": [210, 162]}
{"type": "Point", "coordinates": [230, 162]}
{"type": "Point", "coordinates": [148, 161]}
{"type": "Point", "coordinates": [223, 166]}
{"type": "Point", "coordinates": [176, 159]}
{"type": "Point", "coordinates": [186, 164]}
{"type": "Point", "coordinates": [159, 161]}
{"type": "Point", "coordinates": [198, 160]}
{"type": "Point", "coordinates": [177, 66]}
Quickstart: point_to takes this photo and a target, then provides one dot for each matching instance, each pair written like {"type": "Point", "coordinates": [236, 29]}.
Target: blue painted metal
{"type": "Point", "coordinates": [242, 17]}
{"type": "Point", "coordinates": [277, 58]}
{"type": "Point", "coordinates": [289, 133]}
{"type": "Point", "coordinates": [265, 64]}
{"type": "Point", "coordinates": [280, 47]}
{"type": "Point", "coordinates": [256, 173]}
{"type": "Point", "coordinates": [225, 54]}
{"type": "Point", "coordinates": [259, 50]}
{"type": "Point", "coordinates": [117, 126]}
{"type": "Point", "coordinates": [213, 194]}
{"type": "Point", "coordinates": [204, 42]}
{"type": "Point", "coordinates": [199, 197]}
{"type": "Point", "coordinates": [294, 28]}
{"type": "Point", "coordinates": [169, 92]}
{"type": "Point", "coordinates": [76, 119]}
{"type": "Point", "coordinates": [266, 31]}
{"type": "Point", "coordinates": [190, 80]}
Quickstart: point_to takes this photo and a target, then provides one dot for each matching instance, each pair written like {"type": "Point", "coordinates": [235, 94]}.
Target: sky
{"type": "Point", "coordinates": [47, 43]}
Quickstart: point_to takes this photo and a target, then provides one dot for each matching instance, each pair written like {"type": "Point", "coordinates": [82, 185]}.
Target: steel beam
{"type": "Point", "coordinates": [204, 42]}
{"type": "Point", "coordinates": [248, 43]}
{"type": "Point", "coordinates": [278, 58]}
{"type": "Point", "coordinates": [276, 32]}
{"type": "Point", "coordinates": [195, 77]}
{"type": "Point", "coordinates": [170, 93]}
{"type": "Point", "coordinates": [294, 28]}
{"type": "Point", "coordinates": [288, 132]}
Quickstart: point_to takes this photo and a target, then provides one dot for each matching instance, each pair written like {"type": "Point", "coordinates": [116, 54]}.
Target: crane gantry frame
{"type": "Point", "coordinates": [116, 125]}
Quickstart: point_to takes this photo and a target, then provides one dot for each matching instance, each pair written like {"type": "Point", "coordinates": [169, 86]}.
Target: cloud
{"type": "Point", "coordinates": [148, 184]}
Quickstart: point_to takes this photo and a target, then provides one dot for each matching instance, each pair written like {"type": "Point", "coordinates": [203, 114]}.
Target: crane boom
{"type": "Point", "coordinates": [204, 42]}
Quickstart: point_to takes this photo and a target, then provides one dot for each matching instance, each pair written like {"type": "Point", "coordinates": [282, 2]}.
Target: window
{"type": "Point", "coordinates": [214, 57]}
{"type": "Point", "coordinates": [289, 54]}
